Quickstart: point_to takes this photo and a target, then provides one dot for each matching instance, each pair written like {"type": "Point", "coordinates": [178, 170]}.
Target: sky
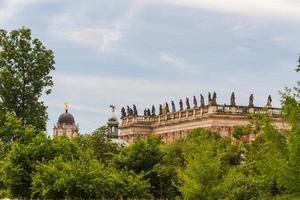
{"type": "Point", "coordinates": [146, 52]}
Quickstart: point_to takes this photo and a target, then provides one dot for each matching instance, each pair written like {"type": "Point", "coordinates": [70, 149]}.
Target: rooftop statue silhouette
{"type": "Point", "coordinates": [209, 99]}
{"type": "Point", "coordinates": [269, 101]}
{"type": "Point", "coordinates": [195, 102]}
{"type": "Point", "coordinates": [180, 104]}
{"type": "Point", "coordinates": [160, 109]}
{"type": "Point", "coordinates": [202, 100]}
{"type": "Point", "coordinates": [251, 101]}
{"type": "Point", "coordinates": [135, 112]}
{"type": "Point", "coordinates": [123, 113]}
{"type": "Point", "coordinates": [173, 106]}
{"type": "Point", "coordinates": [232, 99]}
{"type": "Point", "coordinates": [153, 110]}
{"type": "Point", "coordinates": [214, 99]}
{"type": "Point", "coordinates": [187, 102]}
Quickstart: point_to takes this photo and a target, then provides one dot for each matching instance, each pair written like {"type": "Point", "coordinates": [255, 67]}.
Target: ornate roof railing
{"type": "Point", "coordinates": [198, 112]}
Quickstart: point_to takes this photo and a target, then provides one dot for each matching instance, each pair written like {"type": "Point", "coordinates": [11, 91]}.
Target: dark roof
{"type": "Point", "coordinates": [66, 118]}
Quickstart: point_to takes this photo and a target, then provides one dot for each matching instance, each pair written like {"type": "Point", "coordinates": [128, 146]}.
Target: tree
{"type": "Point", "coordinates": [12, 130]}
{"type": "Point", "coordinates": [244, 182]}
{"type": "Point", "coordinates": [141, 155]}
{"type": "Point", "coordinates": [208, 157]}
{"type": "Point", "coordinates": [25, 66]}
{"type": "Point", "coordinates": [20, 163]}
{"type": "Point", "coordinates": [86, 178]}
{"type": "Point", "coordinates": [77, 178]}
{"type": "Point", "coordinates": [101, 145]}
{"type": "Point", "coordinates": [144, 157]}
{"type": "Point", "coordinates": [289, 171]}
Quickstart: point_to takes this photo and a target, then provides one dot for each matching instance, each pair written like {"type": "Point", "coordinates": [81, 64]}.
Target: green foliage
{"type": "Point", "coordinates": [244, 182]}
{"type": "Point", "coordinates": [25, 65]}
{"type": "Point", "coordinates": [20, 162]}
{"type": "Point", "coordinates": [85, 178]}
{"type": "Point", "coordinates": [101, 145]}
{"type": "Point", "coordinates": [146, 157]}
{"type": "Point", "coordinates": [207, 160]}
{"type": "Point", "coordinates": [240, 131]}
{"type": "Point", "coordinates": [289, 171]}
{"type": "Point", "coordinates": [81, 178]}
{"type": "Point", "coordinates": [202, 166]}
{"type": "Point", "coordinates": [143, 155]}
{"type": "Point", "coordinates": [13, 130]}
{"type": "Point", "coordinates": [128, 185]}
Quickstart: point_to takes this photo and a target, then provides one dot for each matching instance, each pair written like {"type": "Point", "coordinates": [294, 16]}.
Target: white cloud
{"type": "Point", "coordinates": [100, 38]}
{"type": "Point", "coordinates": [102, 35]}
{"type": "Point", "coordinates": [115, 88]}
{"type": "Point", "coordinates": [179, 63]}
{"type": "Point", "coordinates": [172, 59]}
{"type": "Point", "coordinates": [10, 8]}
{"type": "Point", "coordinates": [267, 8]}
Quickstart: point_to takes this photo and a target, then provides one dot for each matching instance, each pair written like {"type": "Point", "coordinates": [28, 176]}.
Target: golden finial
{"type": "Point", "coordinates": [113, 109]}
{"type": "Point", "coordinates": [66, 106]}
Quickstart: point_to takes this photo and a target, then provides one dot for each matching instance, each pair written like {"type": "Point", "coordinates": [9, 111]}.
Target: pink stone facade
{"type": "Point", "coordinates": [175, 125]}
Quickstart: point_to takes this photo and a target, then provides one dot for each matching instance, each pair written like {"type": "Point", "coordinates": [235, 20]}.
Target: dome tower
{"type": "Point", "coordinates": [113, 123]}
{"type": "Point", "coordinates": [66, 124]}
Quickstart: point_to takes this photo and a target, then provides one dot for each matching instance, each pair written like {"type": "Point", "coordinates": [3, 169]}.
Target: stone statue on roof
{"type": "Point", "coordinates": [167, 107]}
{"type": "Point", "coordinates": [232, 99]}
{"type": "Point", "coordinates": [251, 101]}
{"type": "Point", "coordinates": [128, 111]}
{"type": "Point", "coordinates": [123, 113]}
{"type": "Point", "coordinates": [153, 110]}
{"type": "Point", "coordinates": [135, 112]}
{"type": "Point", "coordinates": [202, 100]}
{"type": "Point", "coordinates": [269, 102]}
{"type": "Point", "coordinates": [173, 106]}
{"type": "Point", "coordinates": [180, 104]}
{"type": "Point", "coordinates": [195, 102]}
{"type": "Point", "coordinates": [209, 99]}
{"type": "Point", "coordinates": [187, 102]}
{"type": "Point", "coordinates": [160, 109]}
{"type": "Point", "coordinates": [148, 112]}
{"type": "Point", "coordinates": [214, 99]}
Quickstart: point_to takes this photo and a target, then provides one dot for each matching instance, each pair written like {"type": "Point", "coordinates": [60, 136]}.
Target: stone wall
{"type": "Point", "coordinates": [175, 125]}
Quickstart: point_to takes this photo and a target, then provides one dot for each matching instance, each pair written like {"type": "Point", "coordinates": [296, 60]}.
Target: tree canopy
{"type": "Point", "coordinates": [25, 66]}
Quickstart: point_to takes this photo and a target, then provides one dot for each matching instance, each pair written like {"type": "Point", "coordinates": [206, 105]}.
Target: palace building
{"type": "Point", "coordinates": [174, 123]}
{"type": "Point", "coordinates": [65, 125]}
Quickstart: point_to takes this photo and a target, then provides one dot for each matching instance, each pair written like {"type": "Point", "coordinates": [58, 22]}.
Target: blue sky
{"type": "Point", "coordinates": [148, 52]}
